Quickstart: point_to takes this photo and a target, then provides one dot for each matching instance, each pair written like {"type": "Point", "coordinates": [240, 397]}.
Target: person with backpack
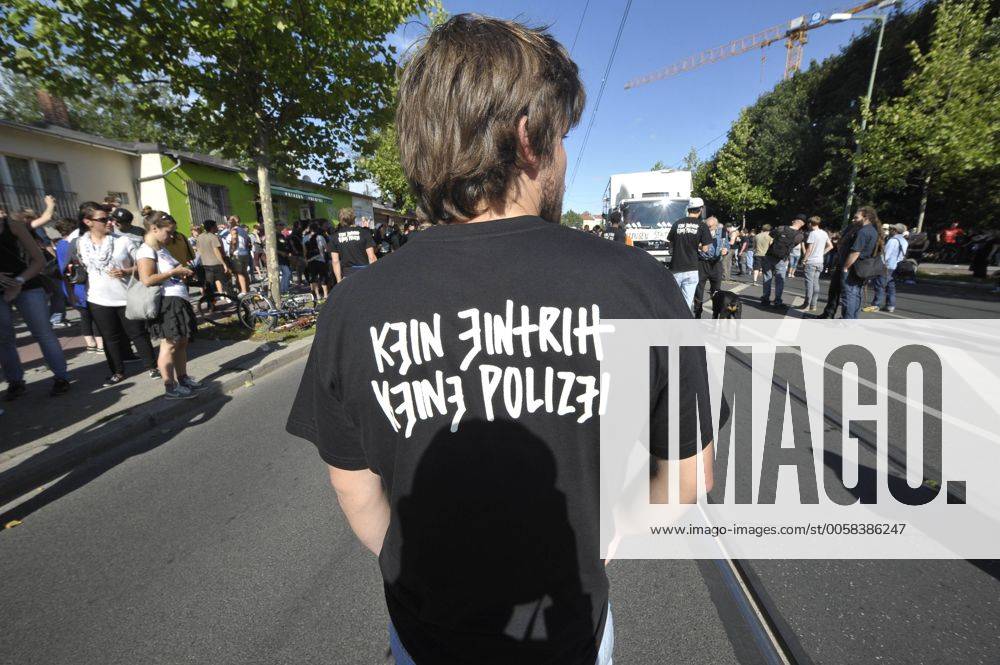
{"type": "Point", "coordinates": [316, 267]}
{"type": "Point", "coordinates": [710, 264]}
{"type": "Point", "coordinates": [865, 250]}
{"type": "Point", "coordinates": [885, 284]}
{"type": "Point", "coordinates": [775, 263]}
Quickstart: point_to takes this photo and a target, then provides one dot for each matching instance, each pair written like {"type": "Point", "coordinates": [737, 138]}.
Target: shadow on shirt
{"type": "Point", "coordinates": [488, 568]}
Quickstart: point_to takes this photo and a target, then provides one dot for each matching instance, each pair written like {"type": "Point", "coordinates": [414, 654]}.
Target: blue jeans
{"type": "Point", "coordinates": [604, 654]}
{"type": "Point", "coordinates": [774, 270]}
{"type": "Point", "coordinates": [284, 277]}
{"type": "Point", "coordinates": [688, 281]}
{"type": "Point", "coordinates": [748, 261]}
{"type": "Point", "coordinates": [34, 309]}
{"type": "Point", "coordinates": [885, 287]}
{"type": "Point", "coordinates": [850, 295]}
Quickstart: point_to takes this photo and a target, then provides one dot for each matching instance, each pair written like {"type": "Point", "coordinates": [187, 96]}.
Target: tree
{"type": "Point", "coordinates": [691, 162]}
{"type": "Point", "coordinates": [946, 127]}
{"type": "Point", "coordinates": [571, 218]}
{"type": "Point", "coordinates": [293, 84]}
{"type": "Point", "coordinates": [658, 166]}
{"type": "Point", "coordinates": [384, 167]}
{"type": "Point", "coordinates": [733, 186]}
{"type": "Point", "coordinates": [113, 115]}
{"type": "Point", "coordinates": [382, 163]}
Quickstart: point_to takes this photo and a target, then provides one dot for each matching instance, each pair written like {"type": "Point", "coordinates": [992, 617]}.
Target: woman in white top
{"type": "Point", "coordinates": [109, 260]}
{"type": "Point", "coordinates": [175, 325]}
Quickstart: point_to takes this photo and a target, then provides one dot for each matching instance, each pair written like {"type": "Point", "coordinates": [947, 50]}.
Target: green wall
{"type": "Point", "coordinates": [241, 193]}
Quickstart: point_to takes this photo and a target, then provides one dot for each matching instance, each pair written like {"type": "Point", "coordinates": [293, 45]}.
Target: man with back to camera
{"type": "Point", "coordinates": [615, 232]}
{"type": "Point", "coordinates": [484, 513]}
{"type": "Point", "coordinates": [352, 247]}
{"type": "Point", "coordinates": [688, 237]}
{"type": "Point", "coordinates": [784, 238]}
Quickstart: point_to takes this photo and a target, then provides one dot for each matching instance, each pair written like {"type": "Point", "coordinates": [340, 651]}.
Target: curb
{"type": "Point", "coordinates": [33, 467]}
{"type": "Point", "coordinates": [954, 282]}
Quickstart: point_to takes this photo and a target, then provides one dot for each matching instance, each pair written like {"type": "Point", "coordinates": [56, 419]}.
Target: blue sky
{"type": "Point", "coordinates": [661, 120]}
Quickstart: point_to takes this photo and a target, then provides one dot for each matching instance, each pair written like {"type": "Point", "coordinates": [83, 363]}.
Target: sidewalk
{"type": "Point", "coordinates": [42, 437]}
{"type": "Point", "coordinates": [955, 274]}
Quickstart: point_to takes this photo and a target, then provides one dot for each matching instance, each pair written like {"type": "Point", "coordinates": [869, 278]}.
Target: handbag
{"type": "Point", "coordinates": [75, 273]}
{"type": "Point", "coordinates": [142, 303]}
{"type": "Point", "coordinates": [865, 269]}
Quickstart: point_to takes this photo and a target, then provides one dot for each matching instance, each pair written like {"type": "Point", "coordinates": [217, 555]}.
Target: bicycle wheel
{"type": "Point", "coordinates": [254, 308]}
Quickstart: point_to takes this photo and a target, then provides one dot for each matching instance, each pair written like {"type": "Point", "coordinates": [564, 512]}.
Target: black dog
{"type": "Point", "coordinates": [726, 305]}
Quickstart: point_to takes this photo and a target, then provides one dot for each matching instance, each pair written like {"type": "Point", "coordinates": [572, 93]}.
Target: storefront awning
{"type": "Point", "coordinates": [300, 194]}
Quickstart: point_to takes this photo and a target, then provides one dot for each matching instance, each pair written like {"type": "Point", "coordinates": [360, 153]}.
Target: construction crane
{"type": "Point", "coordinates": [795, 32]}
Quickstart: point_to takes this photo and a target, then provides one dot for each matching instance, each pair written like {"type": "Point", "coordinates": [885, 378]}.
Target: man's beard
{"type": "Point", "coordinates": [550, 206]}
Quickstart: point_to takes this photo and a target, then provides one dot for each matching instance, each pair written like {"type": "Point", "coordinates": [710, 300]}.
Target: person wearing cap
{"type": "Point", "coordinates": [688, 237]}
{"type": "Point", "coordinates": [885, 284]}
{"type": "Point", "coordinates": [123, 220]}
{"type": "Point", "coordinates": [784, 238]}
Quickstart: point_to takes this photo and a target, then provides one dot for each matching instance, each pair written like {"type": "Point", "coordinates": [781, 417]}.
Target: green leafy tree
{"type": "Point", "coordinates": [382, 162]}
{"type": "Point", "coordinates": [691, 162]}
{"type": "Point", "coordinates": [733, 186]}
{"type": "Point", "coordinates": [112, 115]}
{"type": "Point", "coordinates": [658, 166]}
{"type": "Point", "coordinates": [571, 218]}
{"type": "Point", "coordinates": [294, 84]}
{"type": "Point", "coordinates": [946, 127]}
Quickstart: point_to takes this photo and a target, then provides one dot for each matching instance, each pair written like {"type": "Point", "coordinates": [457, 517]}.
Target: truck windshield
{"type": "Point", "coordinates": [651, 213]}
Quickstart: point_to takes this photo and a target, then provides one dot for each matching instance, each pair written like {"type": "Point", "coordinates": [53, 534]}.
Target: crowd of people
{"type": "Point", "coordinates": [868, 256]}
{"type": "Point", "coordinates": [102, 264]}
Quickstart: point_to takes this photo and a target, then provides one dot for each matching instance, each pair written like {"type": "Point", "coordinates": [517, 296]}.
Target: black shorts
{"type": "Point", "coordinates": [316, 272]}
{"type": "Point", "coordinates": [215, 274]}
{"type": "Point", "coordinates": [758, 262]}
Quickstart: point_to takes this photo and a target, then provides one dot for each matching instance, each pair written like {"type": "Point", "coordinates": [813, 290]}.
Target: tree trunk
{"type": "Point", "coordinates": [923, 201]}
{"type": "Point", "coordinates": [270, 232]}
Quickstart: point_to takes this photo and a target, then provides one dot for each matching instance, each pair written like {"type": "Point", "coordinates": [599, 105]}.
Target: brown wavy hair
{"type": "Point", "coordinates": [461, 96]}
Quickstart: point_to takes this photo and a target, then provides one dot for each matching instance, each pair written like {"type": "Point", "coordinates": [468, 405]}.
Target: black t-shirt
{"type": "Point", "coordinates": [686, 236]}
{"type": "Point", "coordinates": [460, 392]}
{"type": "Point", "coordinates": [616, 235]}
{"type": "Point", "coordinates": [282, 246]}
{"type": "Point", "coordinates": [351, 242]}
{"type": "Point", "coordinates": [785, 239]}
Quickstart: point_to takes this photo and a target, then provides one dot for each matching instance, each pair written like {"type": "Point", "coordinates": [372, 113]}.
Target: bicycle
{"type": "Point", "coordinates": [257, 306]}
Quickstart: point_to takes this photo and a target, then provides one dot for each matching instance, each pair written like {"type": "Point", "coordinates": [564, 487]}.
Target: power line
{"type": "Point", "coordinates": [600, 92]}
{"type": "Point", "coordinates": [580, 25]}
{"type": "Point", "coordinates": [698, 149]}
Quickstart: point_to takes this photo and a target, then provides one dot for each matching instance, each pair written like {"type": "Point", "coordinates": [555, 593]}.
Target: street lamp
{"type": "Point", "coordinates": [881, 18]}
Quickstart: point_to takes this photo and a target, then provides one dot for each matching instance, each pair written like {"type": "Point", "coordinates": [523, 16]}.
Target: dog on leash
{"type": "Point", "coordinates": [726, 305]}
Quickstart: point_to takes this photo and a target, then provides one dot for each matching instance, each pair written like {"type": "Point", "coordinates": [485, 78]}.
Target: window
{"type": "Point", "coordinates": [208, 202]}
{"type": "Point", "coordinates": [25, 182]}
{"type": "Point", "coordinates": [121, 196]}
{"type": "Point", "coordinates": [51, 176]}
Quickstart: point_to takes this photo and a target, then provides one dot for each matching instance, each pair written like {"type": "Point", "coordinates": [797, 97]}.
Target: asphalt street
{"type": "Point", "coordinates": [218, 540]}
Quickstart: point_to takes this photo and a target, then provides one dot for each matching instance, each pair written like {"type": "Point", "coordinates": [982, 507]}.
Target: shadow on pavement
{"type": "Point", "coordinates": [84, 473]}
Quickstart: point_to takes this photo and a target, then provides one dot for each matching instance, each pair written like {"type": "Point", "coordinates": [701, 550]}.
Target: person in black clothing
{"type": "Point", "coordinates": [353, 247]}
{"type": "Point", "coordinates": [776, 258]}
{"type": "Point", "coordinates": [688, 237]}
{"type": "Point", "coordinates": [483, 509]}
{"type": "Point", "coordinates": [710, 267]}
{"type": "Point", "coordinates": [615, 232]}
{"type": "Point", "coordinates": [283, 248]}
{"type": "Point", "coordinates": [836, 281]}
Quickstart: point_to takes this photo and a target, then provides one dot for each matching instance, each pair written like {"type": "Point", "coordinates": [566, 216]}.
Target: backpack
{"type": "Point", "coordinates": [785, 238]}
